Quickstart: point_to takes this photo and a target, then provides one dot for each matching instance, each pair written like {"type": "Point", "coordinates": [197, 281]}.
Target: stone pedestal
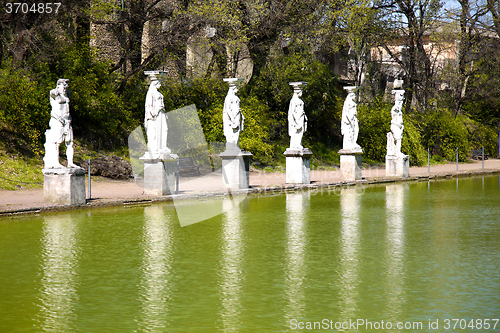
{"type": "Point", "coordinates": [298, 166]}
{"type": "Point", "coordinates": [397, 166]}
{"type": "Point", "coordinates": [350, 164]}
{"type": "Point", "coordinates": [64, 185]}
{"type": "Point", "coordinates": [159, 174]}
{"type": "Point", "coordinates": [236, 169]}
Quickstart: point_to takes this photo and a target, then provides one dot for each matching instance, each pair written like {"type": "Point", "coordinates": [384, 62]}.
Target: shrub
{"type": "Point", "coordinates": [412, 141]}
{"type": "Point", "coordinates": [374, 124]}
{"type": "Point", "coordinates": [25, 107]}
{"type": "Point", "coordinates": [481, 135]}
{"type": "Point", "coordinates": [447, 133]}
{"type": "Point", "coordinates": [255, 136]}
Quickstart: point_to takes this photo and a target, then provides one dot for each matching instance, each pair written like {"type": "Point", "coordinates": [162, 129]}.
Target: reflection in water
{"type": "Point", "coordinates": [296, 243]}
{"type": "Point", "coordinates": [156, 270]}
{"type": "Point", "coordinates": [231, 265]}
{"type": "Point", "coordinates": [190, 212]}
{"type": "Point", "coordinates": [394, 203]}
{"type": "Point", "coordinates": [349, 247]}
{"type": "Point", "coordinates": [58, 291]}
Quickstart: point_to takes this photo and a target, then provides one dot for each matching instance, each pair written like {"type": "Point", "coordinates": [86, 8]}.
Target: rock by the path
{"type": "Point", "coordinates": [109, 166]}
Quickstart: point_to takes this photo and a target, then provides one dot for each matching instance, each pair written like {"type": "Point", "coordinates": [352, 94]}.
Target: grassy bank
{"type": "Point", "coordinates": [19, 172]}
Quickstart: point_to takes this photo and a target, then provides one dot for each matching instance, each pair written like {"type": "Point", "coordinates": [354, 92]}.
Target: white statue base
{"type": "Point", "coordinates": [298, 166]}
{"type": "Point", "coordinates": [350, 164]}
{"type": "Point", "coordinates": [159, 173]}
{"type": "Point", "coordinates": [64, 185]}
{"type": "Point", "coordinates": [236, 169]}
{"type": "Point", "coordinates": [397, 166]}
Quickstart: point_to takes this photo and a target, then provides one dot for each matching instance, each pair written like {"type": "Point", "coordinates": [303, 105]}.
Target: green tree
{"type": "Point", "coordinates": [408, 24]}
{"type": "Point", "coordinates": [493, 7]}
{"type": "Point", "coordinates": [258, 25]}
{"type": "Point", "coordinates": [348, 27]}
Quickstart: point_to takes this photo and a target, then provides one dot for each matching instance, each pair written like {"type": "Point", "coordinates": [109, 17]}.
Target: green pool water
{"type": "Point", "coordinates": [403, 253]}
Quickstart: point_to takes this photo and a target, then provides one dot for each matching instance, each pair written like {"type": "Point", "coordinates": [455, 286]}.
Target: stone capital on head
{"type": "Point", "coordinates": [153, 75]}
{"type": "Point", "coordinates": [233, 81]}
{"type": "Point", "coordinates": [297, 86]}
{"type": "Point", "coordinates": [351, 89]}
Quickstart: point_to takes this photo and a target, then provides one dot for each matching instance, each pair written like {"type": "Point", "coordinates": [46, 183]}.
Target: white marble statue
{"type": "Point", "coordinates": [395, 136]}
{"type": "Point", "coordinates": [60, 129]}
{"type": "Point", "coordinates": [155, 119]}
{"type": "Point", "coordinates": [297, 119]}
{"type": "Point", "coordinates": [232, 116]}
{"type": "Point", "coordinates": [349, 127]}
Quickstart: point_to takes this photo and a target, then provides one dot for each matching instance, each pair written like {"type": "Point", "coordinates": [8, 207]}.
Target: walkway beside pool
{"type": "Point", "coordinates": [106, 192]}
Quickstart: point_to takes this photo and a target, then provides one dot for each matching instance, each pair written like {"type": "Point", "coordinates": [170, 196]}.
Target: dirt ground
{"type": "Point", "coordinates": [105, 191]}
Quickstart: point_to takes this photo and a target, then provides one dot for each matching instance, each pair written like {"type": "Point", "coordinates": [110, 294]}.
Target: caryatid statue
{"type": "Point", "coordinates": [60, 128]}
{"type": "Point", "coordinates": [232, 116]}
{"type": "Point", "coordinates": [297, 119]}
{"type": "Point", "coordinates": [349, 127]}
{"type": "Point", "coordinates": [155, 119]}
{"type": "Point", "coordinates": [395, 136]}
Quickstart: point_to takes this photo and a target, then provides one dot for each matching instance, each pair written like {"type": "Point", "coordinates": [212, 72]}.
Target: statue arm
{"type": "Point", "coordinates": [349, 112]}
{"type": "Point", "coordinates": [347, 119]}
{"type": "Point", "coordinates": [55, 112]}
{"type": "Point", "coordinates": [151, 111]}
{"type": "Point", "coordinates": [155, 110]}
{"type": "Point", "coordinates": [235, 114]}
{"type": "Point", "coordinates": [54, 93]}
{"type": "Point", "coordinates": [292, 118]}
{"type": "Point", "coordinates": [226, 113]}
{"type": "Point", "coordinates": [161, 104]}
{"type": "Point", "coordinates": [296, 112]}
{"type": "Point", "coordinates": [56, 96]}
